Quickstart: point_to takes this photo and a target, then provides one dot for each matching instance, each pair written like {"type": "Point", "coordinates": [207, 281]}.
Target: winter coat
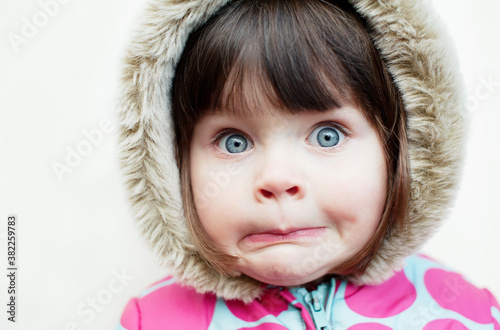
{"type": "Point", "coordinates": [424, 295]}
{"type": "Point", "coordinates": [414, 46]}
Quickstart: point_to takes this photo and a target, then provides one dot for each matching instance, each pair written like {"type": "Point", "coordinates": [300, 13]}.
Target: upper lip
{"type": "Point", "coordinates": [285, 231]}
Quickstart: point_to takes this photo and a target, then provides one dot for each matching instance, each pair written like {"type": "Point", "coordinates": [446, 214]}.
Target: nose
{"type": "Point", "coordinates": [278, 179]}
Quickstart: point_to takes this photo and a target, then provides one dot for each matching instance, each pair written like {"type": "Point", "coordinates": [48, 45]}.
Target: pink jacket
{"type": "Point", "coordinates": [424, 295]}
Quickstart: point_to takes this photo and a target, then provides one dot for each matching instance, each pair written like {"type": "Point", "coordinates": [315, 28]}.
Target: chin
{"type": "Point", "coordinates": [281, 273]}
{"type": "Point", "coordinates": [287, 279]}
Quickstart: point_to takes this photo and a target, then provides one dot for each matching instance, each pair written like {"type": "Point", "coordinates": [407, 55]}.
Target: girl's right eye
{"type": "Point", "coordinates": [234, 143]}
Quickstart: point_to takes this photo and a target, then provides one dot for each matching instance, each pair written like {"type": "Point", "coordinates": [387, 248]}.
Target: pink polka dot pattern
{"type": "Point", "coordinates": [270, 303]}
{"type": "Point", "coordinates": [448, 300]}
{"type": "Point", "coordinates": [369, 326]}
{"type": "Point", "coordinates": [393, 297]}
{"type": "Point", "coordinates": [447, 324]}
{"type": "Point", "coordinates": [266, 326]}
{"type": "Point", "coordinates": [497, 326]}
{"type": "Point", "coordinates": [174, 298]}
{"type": "Point", "coordinates": [130, 318]}
{"type": "Point", "coordinates": [452, 292]}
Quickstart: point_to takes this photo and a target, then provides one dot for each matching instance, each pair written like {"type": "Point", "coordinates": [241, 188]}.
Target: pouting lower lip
{"type": "Point", "coordinates": [292, 235]}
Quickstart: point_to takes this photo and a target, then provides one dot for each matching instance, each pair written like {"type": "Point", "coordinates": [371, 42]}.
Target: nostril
{"type": "Point", "coordinates": [293, 190]}
{"type": "Point", "coordinates": [266, 194]}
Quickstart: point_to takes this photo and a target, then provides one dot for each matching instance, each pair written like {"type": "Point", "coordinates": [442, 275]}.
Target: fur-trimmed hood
{"type": "Point", "coordinates": [411, 41]}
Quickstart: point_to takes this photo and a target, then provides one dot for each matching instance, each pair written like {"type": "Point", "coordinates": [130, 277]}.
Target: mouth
{"type": "Point", "coordinates": [279, 236]}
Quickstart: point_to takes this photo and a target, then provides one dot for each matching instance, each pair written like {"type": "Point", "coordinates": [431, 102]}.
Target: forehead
{"type": "Point", "coordinates": [269, 118]}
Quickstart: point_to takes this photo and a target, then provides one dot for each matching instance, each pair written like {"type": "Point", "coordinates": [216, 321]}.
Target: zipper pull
{"type": "Point", "coordinates": [313, 299]}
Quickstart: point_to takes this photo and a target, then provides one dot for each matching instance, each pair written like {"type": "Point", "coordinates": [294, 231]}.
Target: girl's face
{"type": "Point", "coordinates": [291, 195]}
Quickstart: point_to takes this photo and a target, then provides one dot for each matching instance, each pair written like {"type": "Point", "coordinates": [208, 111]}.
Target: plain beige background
{"type": "Point", "coordinates": [80, 256]}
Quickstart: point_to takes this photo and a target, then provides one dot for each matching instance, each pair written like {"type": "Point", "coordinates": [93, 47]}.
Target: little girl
{"type": "Point", "coordinates": [287, 159]}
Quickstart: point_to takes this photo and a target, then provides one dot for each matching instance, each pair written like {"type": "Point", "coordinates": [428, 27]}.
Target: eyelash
{"type": "Point", "coordinates": [341, 128]}
{"type": "Point", "coordinates": [335, 125]}
{"type": "Point", "coordinates": [216, 139]}
{"type": "Point", "coordinates": [225, 132]}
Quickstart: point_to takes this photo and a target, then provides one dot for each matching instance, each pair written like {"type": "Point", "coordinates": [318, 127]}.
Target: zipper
{"type": "Point", "coordinates": [314, 303]}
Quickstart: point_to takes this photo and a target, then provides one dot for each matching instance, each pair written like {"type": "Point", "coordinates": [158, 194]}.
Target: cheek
{"type": "Point", "coordinates": [207, 195]}
{"type": "Point", "coordinates": [208, 181]}
{"type": "Point", "coordinates": [369, 186]}
{"type": "Point", "coordinates": [369, 176]}
{"type": "Point", "coordinates": [354, 192]}
{"type": "Point", "coordinates": [205, 191]}
{"type": "Point", "coordinates": [219, 195]}
{"type": "Point", "coordinates": [216, 189]}
{"type": "Point", "coordinates": [206, 199]}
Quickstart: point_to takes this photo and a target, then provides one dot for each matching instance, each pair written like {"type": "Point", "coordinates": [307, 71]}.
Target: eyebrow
{"type": "Point", "coordinates": [232, 112]}
{"type": "Point", "coordinates": [277, 114]}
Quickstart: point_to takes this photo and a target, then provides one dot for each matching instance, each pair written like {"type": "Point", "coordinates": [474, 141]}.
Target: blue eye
{"type": "Point", "coordinates": [326, 137]}
{"type": "Point", "coordinates": [234, 143]}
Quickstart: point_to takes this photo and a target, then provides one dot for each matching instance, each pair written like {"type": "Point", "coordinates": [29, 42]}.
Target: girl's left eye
{"type": "Point", "coordinates": [326, 137]}
{"type": "Point", "coordinates": [234, 143]}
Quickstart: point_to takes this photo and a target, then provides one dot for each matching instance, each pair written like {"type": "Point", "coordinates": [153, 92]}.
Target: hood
{"type": "Point", "coordinates": [413, 43]}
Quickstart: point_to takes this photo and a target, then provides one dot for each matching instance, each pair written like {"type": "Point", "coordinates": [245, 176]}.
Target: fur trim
{"type": "Point", "coordinates": [410, 40]}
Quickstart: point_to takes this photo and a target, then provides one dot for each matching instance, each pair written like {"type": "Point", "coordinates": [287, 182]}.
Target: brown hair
{"type": "Point", "coordinates": [301, 55]}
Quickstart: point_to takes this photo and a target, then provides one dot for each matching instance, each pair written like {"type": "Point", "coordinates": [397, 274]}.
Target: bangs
{"type": "Point", "coordinates": [259, 53]}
